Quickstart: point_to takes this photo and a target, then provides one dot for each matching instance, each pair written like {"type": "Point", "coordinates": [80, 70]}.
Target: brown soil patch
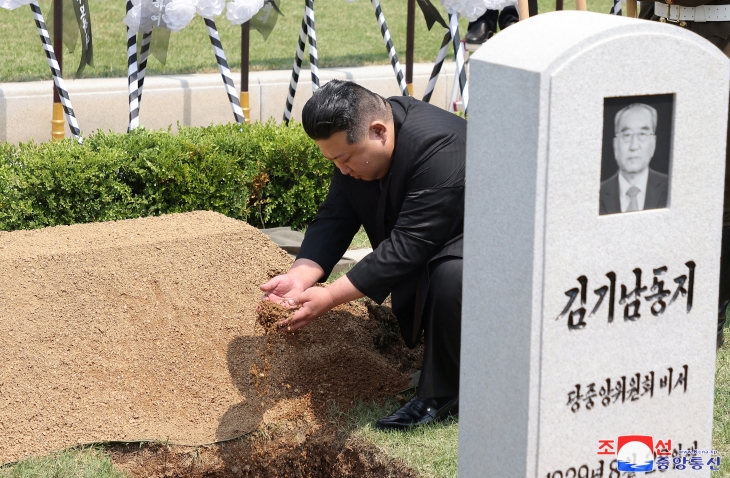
{"type": "Point", "coordinates": [291, 449]}
{"type": "Point", "coordinates": [147, 329]}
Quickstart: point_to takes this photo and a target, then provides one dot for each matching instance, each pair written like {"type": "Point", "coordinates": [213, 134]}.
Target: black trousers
{"type": "Point", "coordinates": [441, 321]}
{"type": "Point", "coordinates": [505, 18]}
{"type": "Point", "coordinates": [724, 298]}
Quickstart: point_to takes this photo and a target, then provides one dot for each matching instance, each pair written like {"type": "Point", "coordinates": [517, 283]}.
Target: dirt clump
{"type": "Point", "coordinates": [270, 314]}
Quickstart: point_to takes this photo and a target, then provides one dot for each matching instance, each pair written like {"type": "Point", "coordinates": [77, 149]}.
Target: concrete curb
{"type": "Point", "coordinates": [191, 100]}
{"type": "Point", "coordinates": [357, 254]}
{"type": "Point", "coordinates": [291, 241]}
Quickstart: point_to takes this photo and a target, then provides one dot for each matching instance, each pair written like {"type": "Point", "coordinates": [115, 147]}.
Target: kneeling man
{"type": "Point", "coordinates": [400, 174]}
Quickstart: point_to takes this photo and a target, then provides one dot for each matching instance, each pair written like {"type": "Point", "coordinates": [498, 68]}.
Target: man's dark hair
{"type": "Point", "coordinates": [343, 106]}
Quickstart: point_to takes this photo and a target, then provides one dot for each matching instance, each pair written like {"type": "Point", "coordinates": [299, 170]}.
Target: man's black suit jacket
{"type": "Point", "coordinates": [657, 191]}
{"type": "Point", "coordinates": [412, 216]}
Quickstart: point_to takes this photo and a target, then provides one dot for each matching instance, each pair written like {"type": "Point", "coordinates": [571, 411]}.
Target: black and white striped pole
{"type": "Point", "coordinates": [56, 71]}
{"type": "Point", "coordinates": [143, 56]}
{"type": "Point", "coordinates": [220, 57]}
{"type": "Point", "coordinates": [132, 82]}
{"type": "Point", "coordinates": [616, 8]}
{"type": "Point", "coordinates": [389, 46]}
{"type": "Point", "coordinates": [437, 66]}
{"type": "Point", "coordinates": [312, 36]}
{"type": "Point", "coordinates": [460, 74]}
{"type": "Point", "coordinates": [296, 69]}
{"type": "Point", "coordinates": [306, 33]}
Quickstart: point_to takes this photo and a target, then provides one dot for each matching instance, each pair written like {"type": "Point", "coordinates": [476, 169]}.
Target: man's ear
{"type": "Point", "coordinates": [379, 131]}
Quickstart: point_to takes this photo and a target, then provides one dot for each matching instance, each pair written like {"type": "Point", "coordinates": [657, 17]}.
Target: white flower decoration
{"type": "Point", "coordinates": [178, 14]}
{"type": "Point", "coordinates": [241, 11]}
{"type": "Point", "coordinates": [471, 9]}
{"type": "Point", "coordinates": [133, 19]}
{"type": "Point", "coordinates": [13, 4]}
{"type": "Point", "coordinates": [144, 15]}
{"type": "Point", "coordinates": [499, 4]}
{"type": "Point", "coordinates": [210, 8]}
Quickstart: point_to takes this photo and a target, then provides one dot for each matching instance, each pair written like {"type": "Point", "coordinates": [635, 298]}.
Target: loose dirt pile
{"type": "Point", "coordinates": [147, 329]}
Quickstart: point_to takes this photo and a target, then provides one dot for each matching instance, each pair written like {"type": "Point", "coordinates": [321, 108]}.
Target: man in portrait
{"type": "Point", "coordinates": [635, 186]}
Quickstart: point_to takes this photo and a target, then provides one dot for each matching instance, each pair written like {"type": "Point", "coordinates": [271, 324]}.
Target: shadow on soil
{"type": "Point", "coordinates": [290, 390]}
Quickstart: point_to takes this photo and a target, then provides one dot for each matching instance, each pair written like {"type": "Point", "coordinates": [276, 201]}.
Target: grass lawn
{"type": "Point", "coordinates": [85, 463]}
{"type": "Point", "coordinates": [347, 35]}
{"type": "Point", "coordinates": [721, 424]}
{"type": "Point", "coordinates": [360, 241]}
{"type": "Point", "coordinates": [430, 450]}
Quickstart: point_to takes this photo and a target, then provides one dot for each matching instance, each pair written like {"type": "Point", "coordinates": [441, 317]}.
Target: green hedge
{"type": "Point", "coordinates": [267, 175]}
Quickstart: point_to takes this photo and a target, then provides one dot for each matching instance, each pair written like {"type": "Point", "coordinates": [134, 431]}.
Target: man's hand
{"type": "Point", "coordinates": [316, 301]}
{"type": "Point", "coordinates": [313, 302]}
{"type": "Point", "coordinates": [302, 275]}
{"type": "Point", "coordinates": [282, 287]}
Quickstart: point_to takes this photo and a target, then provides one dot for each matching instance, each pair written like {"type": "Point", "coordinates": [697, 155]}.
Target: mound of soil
{"type": "Point", "coordinates": [147, 329]}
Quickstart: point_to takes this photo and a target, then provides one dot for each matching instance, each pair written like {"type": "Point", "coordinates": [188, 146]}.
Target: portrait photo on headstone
{"type": "Point", "coordinates": [635, 164]}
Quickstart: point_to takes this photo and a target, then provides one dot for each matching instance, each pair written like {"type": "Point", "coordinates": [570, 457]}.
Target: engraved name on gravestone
{"type": "Point", "coordinates": [594, 193]}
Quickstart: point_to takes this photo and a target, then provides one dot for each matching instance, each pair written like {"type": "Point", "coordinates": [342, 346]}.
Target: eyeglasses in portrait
{"type": "Point", "coordinates": [635, 164]}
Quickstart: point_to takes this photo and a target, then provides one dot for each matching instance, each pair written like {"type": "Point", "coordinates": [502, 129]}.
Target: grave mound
{"type": "Point", "coordinates": [146, 329]}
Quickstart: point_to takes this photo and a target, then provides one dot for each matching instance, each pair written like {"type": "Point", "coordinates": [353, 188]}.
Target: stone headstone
{"type": "Point", "coordinates": [587, 319]}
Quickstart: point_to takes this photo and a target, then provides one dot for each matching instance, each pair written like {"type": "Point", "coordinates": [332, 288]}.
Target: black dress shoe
{"type": "Point", "coordinates": [508, 16]}
{"type": "Point", "coordinates": [478, 33]}
{"type": "Point", "coordinates": [417, 412]}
